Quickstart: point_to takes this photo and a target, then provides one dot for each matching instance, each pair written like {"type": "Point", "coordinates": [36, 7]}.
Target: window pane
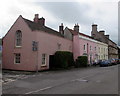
{"type": "Point", "coordinates": [43, 59]}
{"type": "Point", "coordinates": [18, 38]}
{"type": "Point", "coordinates": [17, 58]}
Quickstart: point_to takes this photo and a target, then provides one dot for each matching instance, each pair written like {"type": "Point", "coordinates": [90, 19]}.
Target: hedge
{"type": "Point", "coordinates": [81, 61]}
{"type": "Point", "coordinates": [63, 59]}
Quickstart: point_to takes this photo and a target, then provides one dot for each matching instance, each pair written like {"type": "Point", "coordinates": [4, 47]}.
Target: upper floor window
{"type": "Point", "coordinates": [90, 47]}
{"type": "Point", "coordinates": [95, 48]}
{"type": "Point", "coordinates": [18, 38]}
{"type": "Point", "coordinates": [84, 47]}
{"type": "Point", "coordinates": [70, 48]}
{"type": "Point", "coordinates": [59, 46]}
{"type": "Point", "coordinates": [99, 49]}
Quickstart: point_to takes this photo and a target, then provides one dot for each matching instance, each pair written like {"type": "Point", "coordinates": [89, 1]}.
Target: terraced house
{"type": "Point", "coordinates": [30, 45]}
{"type": "Point", "coordinates": [84, 45]}
{"type": "Point", "coordinates": [100, 35]}
{"type": "Point", "coordinates": [102, 51]}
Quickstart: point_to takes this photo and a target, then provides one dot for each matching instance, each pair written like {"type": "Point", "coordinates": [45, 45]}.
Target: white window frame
{"type": "Point", "coordinates": [84, 47]}
{"type": "Point", "coordinates": [15, 57]}
{"type": "Point", "coordinates": [95, 48]}
{"type": "Point", "coordinates": [90, 48]}
{"type": "Point", "coordinates": [44, 58]}
{"type": "Point", "coordinates": [20, 38]}
{"type": "Point", "coordinates": [59, 46]}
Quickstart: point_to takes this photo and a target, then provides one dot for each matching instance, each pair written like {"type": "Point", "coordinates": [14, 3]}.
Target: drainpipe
{"type": "Point", "coordinates": [37, 57]}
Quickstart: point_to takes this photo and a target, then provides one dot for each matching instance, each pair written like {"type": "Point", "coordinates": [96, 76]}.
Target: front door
{"type": "Point", "coordinates": [51, 61]}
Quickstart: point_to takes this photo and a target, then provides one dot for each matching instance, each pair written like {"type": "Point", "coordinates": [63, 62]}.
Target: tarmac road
{"type": "Point", "coordinates": [91, 80]}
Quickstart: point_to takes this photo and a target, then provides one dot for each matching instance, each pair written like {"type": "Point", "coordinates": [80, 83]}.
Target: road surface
{"type": "Point", "coordinates": [91, 80]}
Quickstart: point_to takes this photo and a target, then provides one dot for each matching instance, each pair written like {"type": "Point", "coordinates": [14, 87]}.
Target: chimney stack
{"type": "Point", "coordinates": [102, 32]}
{"type": "Point", "coordinates": [94, 27]}
{"type": "Point", "coordinates": [40, 21]}
{"type": "Point", "coordinates": [61, 29]}
{"type": "Point", "coordinates": [76, 28]}
{"type": "Point", "coordinates": [107, 36]}
{"type": "Point", "coordinates": [36, 18]}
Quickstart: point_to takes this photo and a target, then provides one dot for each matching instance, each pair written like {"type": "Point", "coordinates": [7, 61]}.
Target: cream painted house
{"type": "Point", "coordinates": [102, 49]}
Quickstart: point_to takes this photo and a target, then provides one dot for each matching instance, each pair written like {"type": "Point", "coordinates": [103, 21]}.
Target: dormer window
{"type": "Point", "coordinates": [18, 41]}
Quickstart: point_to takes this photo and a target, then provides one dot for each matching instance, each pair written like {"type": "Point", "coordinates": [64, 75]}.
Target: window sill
{"type": "Point", "coordinates": [18, 46]}
{"type": "Point", "coordinates": [16, 63]}
{"type": "Point", "coordinates": [44, 65]}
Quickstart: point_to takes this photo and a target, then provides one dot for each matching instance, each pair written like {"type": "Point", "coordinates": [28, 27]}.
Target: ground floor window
{"type": "Point", "coordinates": [17, 58]}
{"type": "Point", "coordinates": [43, 59]}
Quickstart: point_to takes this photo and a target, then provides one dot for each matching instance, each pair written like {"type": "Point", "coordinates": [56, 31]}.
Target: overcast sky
{"type": "Point", "coordinates": [104, 13]}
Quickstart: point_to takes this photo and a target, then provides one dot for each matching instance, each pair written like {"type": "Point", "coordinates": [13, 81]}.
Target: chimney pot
{"type": "Point", "coordinates": [94, 27]}
{"type": "Point", "coordinates": [107, 36]}
{"type": "Point", "coordinates": [36, 18]}
{"type": "Point", "coordinates": [102, 32]}
{"type": "Point", "coordinates": [41, 21]}
{"type": "Point", "coordinates": [76, 27]}
{"type": "Point", "coordinates": [36, 15]}
{"type": "Point", "coordinates": [61, 27]}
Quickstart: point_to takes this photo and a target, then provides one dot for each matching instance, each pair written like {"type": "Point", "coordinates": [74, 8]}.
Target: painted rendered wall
{"type": "Point", "coordinates": [48, 44]}
{"type": "Point", "coordinates": [91, 52]}
{"type": "Point", "coordinates": [113, 51]}
{"type": "Point", "coordinates": [76, 46]}
{"type": "Point", "coordinates": [102, 50]}
{"type": "Point", "coordinates": [28, 57]}
{"type": "Point", "coordinates": [68, 34]}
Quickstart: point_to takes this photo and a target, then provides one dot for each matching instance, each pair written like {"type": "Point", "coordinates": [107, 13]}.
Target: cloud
{"type": "Point", "coordinates": [11, 9]}
{"type": "Point", "coordinates": [103, 13]}
{"type": "Point", "coordinates": [85, 13]}
{"type": "Point", "coordinates": [67, 11]}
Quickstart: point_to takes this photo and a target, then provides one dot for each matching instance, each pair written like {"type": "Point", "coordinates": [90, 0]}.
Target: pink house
{"type": "Point", "coordinates": [29, 45]}
{"type": "Point", "coordinates": [83, 45]}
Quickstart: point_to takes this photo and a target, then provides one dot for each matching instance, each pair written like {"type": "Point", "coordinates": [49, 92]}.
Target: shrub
{"type": "Point", "coordinates": [81, 61]}
{"type": "Point", "coordinates": [63, 59]}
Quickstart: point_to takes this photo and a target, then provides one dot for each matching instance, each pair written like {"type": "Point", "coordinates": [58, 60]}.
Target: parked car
{"type": "Point", "coordinates": [105, 63]}
{"type": "Point", "coordinates": [117, 61]}
{"type": "Point", "coordinates": [99, 61]}
{"type": "Point", "coordinates": [110, 64]}
{"type": "Point", "coordinates": [112, 61]}
{"type": "Point", "coordinates": [95, 63]}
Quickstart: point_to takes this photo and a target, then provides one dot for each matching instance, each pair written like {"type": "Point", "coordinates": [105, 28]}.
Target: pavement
{"type": "Point", "coordinates": [91, 80]}
{"type": "Point", "coordinates": [9, 76]}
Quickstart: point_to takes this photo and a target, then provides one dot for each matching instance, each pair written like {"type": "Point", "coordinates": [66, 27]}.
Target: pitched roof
{"type": "Point", "coordinates": [75, 33]}
{"type": "Point", "coordinates": [111, 40]}
{"type": "Point", "coordinates": [108, 39]}
{"type": "Point", "coordinates": [34, 26]}
{"type": "Point", "coordinates": [86, 35]}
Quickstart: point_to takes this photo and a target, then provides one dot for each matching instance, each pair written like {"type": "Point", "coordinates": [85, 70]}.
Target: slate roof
{"type": "Point", "coordinates": [75, 33]}
{"type": "Point", "coordinates": [34, 26]}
